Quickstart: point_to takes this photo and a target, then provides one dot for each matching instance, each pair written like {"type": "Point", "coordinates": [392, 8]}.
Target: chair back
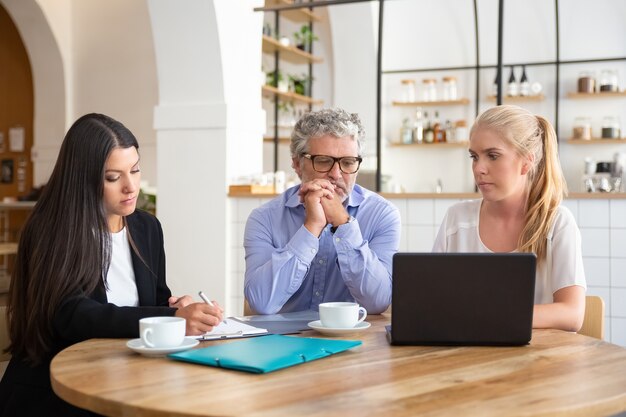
{"type": "Point", "coordinates": [4, 340]}
{"type": "Point", "coordinates": [593, 324]}
{"type": "Point", "coordinates": [247, 310]}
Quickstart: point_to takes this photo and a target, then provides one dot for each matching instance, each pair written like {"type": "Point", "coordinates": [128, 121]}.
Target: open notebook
{"type": "Point", "coordinates": [230, 329]}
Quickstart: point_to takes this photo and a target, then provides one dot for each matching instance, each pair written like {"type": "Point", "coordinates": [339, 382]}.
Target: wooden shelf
{"type": "Point", "coordinates": [597, 141]}
{"type": "Point", "coordinates": [461, 101]}
{"type": "Point", "coordinates": [296, 15]}
{"type": "Point", "coordinates": [289, 53]}
{"type": "Point", "coordinates": [8, 248]}
{"type": "Point", "coordinates": [269, 90]}
{"type": "Point", "coordinates": [519, 99]}
{"type": "Point", "coordinates": [281, 139]}
{"type": "Point", "coordinates": [432, 145]}
{"type": "Point", "coordinates": [246, 189]}
{"type": "Point", "coordinates": [604, 94]}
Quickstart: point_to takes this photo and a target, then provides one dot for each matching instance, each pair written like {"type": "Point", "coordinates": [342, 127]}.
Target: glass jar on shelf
{"type": "Point", "coordinates": [429, 89]}
{"type": "Point", "coordinates": [608, 81]}
{"type": "Point", "coordinates": [449, 88]}
{"type": "Point", "coordinates": [461, 133]}
{"type": "Point", "coordinates": [582, 128]}
{"type": "Point", "coordinates": [406, 132]}
{"type": "Point", "coordinates": [408, 90]}
{"type": "Point", "coordinates": [586, 82]}
{"type": "Point", "coordinates": [610, 127]}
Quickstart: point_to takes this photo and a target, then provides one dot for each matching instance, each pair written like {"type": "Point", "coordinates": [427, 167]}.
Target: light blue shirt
{"type": "Point", "coordinates": [290, 269]}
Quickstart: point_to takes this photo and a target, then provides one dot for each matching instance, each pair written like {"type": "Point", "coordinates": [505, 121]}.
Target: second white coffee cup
{"type": "Point", "coordinates": [341, 314]}
{"type": "Point", "coordinates": [162, 332]}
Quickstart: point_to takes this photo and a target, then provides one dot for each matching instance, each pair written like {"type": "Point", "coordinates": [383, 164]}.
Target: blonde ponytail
{"type": "Point", "coordinates": [546, 193]}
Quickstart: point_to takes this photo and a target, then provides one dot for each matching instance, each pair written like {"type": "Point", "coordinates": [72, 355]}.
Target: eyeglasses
{"type": "Point", "coordinates": [324, 163]}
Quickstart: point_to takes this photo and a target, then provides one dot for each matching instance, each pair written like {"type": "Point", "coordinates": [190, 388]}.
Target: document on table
{"type": "Point", "coordinates": [230, 329]}
{"type": "Point", "coordinates": [283, 323]}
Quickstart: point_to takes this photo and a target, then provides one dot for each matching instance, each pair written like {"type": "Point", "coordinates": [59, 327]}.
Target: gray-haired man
{"type": "Point", "coordinates": [326, 239]}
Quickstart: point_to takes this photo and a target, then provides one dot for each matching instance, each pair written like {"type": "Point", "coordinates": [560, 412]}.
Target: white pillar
{"type": "Point", "coordinates": [209, 125]}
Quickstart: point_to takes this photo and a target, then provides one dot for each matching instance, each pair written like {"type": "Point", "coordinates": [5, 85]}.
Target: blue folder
{"type": "Point", "coordinates": [265, 354]}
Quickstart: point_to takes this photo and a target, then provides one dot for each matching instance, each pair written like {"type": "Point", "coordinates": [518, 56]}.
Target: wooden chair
{"type": "Point", "coordinates": [247, 310]}
{"type": "Point", "coordinates": [593, 324]}
{"type": "Point", "coordinates": [4, 340]}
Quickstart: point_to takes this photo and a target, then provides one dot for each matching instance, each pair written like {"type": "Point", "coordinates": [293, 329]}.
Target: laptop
{"type": "Point", "coordinates": [462, 299]}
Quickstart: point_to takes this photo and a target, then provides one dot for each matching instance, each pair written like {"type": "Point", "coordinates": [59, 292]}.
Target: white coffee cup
{"type": "Point", "coordinates": [341, 314]}
{"type": "Point", "coordinates": [162, 332]}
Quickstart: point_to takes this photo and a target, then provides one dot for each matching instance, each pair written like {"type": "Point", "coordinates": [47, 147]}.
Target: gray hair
{"type": "Point", "coordinates": [333, 122]}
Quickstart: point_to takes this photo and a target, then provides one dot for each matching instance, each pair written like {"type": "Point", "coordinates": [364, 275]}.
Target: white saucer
{"type": "Point", "coordinates": [138, 346]}
{"type": "Point", "coordinates": [317, 325]}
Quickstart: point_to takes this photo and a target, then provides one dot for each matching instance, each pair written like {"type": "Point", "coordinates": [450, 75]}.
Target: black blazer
{"type": "Point", "coordinates": [26, 390]}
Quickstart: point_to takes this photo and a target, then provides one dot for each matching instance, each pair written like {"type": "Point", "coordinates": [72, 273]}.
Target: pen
{"type": "Point", "coordinates": [206, 300]}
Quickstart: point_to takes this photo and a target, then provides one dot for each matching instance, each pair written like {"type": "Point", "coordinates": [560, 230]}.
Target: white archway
{"type": "Point", "coordinates": [49, 83]}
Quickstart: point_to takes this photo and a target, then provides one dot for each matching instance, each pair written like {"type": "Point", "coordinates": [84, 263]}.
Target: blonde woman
{"type": "Point", "coordinates": [517, 171]}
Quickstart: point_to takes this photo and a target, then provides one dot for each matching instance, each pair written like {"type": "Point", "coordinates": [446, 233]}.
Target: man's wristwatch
{"type": "Point", "coordinates": [334, 228]}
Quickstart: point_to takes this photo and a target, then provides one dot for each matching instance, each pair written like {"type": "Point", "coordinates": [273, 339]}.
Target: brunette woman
{"type": "Point", "coordinates": [88, 265]}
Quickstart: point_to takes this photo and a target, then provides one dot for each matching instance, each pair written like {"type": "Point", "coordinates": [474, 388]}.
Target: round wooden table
{"type": "Point", "coordinates": [558, 374]}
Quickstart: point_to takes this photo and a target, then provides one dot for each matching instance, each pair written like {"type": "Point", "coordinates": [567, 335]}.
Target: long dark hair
{"type": "Point", "coordinates": [65, 245]}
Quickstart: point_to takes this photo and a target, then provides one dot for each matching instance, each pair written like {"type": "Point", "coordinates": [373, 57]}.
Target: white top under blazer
{"type": "Point", "coordinates": [121, 284]}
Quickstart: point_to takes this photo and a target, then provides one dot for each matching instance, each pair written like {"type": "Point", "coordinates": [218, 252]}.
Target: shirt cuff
{"type": "Point", "coordinates": [348, 235]}
{"type": "Point", "coordinates": [304, 245]}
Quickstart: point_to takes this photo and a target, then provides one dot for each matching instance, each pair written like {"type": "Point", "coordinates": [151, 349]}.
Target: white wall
{"type": "Point", "coordinates": [355, 41]}
{"type": "Point", "coordinates": [113, 68]}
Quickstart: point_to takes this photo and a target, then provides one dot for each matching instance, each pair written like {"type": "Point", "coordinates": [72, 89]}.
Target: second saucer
{"type": "Point", "coordinates": [336, 331]}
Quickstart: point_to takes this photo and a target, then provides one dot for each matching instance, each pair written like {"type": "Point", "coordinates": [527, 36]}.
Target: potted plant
{"type": "Point", "coordinates": [304, 38]}
{"type": "Point", "coordinates": [300, 84]}
{"type": "Point", "coordinates": [276, 79]}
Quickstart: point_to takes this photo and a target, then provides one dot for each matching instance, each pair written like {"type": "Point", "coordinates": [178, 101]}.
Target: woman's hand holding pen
{"type": "Point", "coordinates": [200, 317]}
{"type": "Point", "coordinates": [180, 302]}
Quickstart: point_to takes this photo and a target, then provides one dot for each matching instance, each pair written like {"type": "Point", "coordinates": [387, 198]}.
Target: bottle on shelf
{"type": "Point", "coordinates": [449, 88]}
{"type": "Point", "coordinates": [429, 135]}
{"type": "Point", "coordinates": [524, 85]}
{"type": "Point", "coordinates": [494, 87]}
{"type": "Point", "coordinates": [406, 132]}
{"type": "Point", "coordinates": [418, 127]}
{"type": "Point", "coordinates": [438, 131]}
{"type": "Point", "coordinates": [449, 132]}
{"type": "Point", "coordinates": [511, 88]}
